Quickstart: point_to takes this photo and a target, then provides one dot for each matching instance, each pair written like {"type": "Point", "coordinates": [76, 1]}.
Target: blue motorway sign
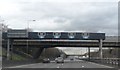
{"type": "Point", "coordinates": [61, 35]}
{"type": "Point", "coordinates": [66, 35]}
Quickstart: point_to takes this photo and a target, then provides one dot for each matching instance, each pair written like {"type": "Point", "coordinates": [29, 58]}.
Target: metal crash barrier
{"type": "Point", "coordinates": [106, 61]}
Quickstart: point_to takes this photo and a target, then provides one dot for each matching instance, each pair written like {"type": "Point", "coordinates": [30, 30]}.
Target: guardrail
{"type": "Point", "coordinates": [6, 63]}
{"type": "Point", "coordinates": [115, 62]}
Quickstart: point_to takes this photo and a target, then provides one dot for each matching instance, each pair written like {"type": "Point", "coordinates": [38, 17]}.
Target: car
{"type": "Point", "coordinates": [59, 60]}
{"type": "Point", "coordinates": [71, 58]}
{"type": "Point", "coordinates": [46, 60]}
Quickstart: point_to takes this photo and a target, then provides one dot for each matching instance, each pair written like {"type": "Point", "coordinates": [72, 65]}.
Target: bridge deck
{"type": "Point", "coordinates": [62, 43]}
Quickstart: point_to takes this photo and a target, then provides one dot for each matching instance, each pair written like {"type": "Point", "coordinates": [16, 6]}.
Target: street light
{"type": "Point", "coordinates": [28, 31]}
{"type": "Point", "coordinates": [28, 23]}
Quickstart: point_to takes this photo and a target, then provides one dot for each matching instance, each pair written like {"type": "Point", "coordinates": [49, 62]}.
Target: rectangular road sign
{"type": "Point", "coordinates": [17, 33]}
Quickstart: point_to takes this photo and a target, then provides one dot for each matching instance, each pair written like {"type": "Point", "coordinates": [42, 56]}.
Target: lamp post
{"type": "Point", "coordinates": [28, 29]}
{"type": "Point", "coordinates": [28, 23]}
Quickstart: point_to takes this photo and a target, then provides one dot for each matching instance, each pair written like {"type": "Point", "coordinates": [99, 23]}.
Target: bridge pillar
{"type": "Point", "coordinates": [8, 49]}
{"type": "Point", "coordinates": [11, 48]}
{"type": "Point", "coordinates": [89, 52]}
{"type": "Point", "coordinates": [100, 48]}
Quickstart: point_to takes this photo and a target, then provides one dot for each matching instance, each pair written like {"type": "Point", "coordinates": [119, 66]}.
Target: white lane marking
{"type": "Point", "coordinates": [23, 65]}
{"type": "Point", "coordinates": [101, 65]}
{"type": "Point", "coordinates": [58, 67]}
{"type": "Point", "coordinates": [83, 66]}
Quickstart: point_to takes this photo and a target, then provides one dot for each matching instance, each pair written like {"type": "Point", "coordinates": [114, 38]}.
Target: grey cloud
{"type": "Point", "coordinates": [90, 17]}
{"type": "Point", "coordinates": [60, 20]}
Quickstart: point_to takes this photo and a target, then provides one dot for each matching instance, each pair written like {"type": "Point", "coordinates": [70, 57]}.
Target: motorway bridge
{"type": "Point", "coordinates": [22, 38]}
{"type": "Point", "coordinates": [41, 40]}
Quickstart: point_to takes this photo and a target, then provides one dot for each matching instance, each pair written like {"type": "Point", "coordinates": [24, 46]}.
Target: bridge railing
{"type": "Point", "coordinates": [106, 61]}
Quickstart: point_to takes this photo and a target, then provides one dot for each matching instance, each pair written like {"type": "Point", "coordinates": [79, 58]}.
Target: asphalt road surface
{"type": "Point", "coordinates": [66, 64]}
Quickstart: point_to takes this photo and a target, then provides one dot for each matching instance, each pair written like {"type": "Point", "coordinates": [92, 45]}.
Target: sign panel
{"type": "Point", "coordinates": [53, 35]}
{"type": "Point", "coordinates": [67, 35]}
{"type": "Point", "coordinates": [17, 34]}
{"type": "Point", "coordinates": [71, 35]}
{"type": "Point", "coordinates": [85, 35]}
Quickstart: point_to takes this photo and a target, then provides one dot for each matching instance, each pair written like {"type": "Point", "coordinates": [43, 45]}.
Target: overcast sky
{"type": "Point", "coordinates": [62, 15]}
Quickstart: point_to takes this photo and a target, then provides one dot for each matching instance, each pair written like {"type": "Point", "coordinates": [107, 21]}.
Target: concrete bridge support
{"type": "Point", "coordinates": [9, 48]}
{"type": "Point", "coordinates": [100, 49]}
{"type": "Point", "coordinates": [38, 53]}
{"type": "Point", "coordinates": [89, 52]}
